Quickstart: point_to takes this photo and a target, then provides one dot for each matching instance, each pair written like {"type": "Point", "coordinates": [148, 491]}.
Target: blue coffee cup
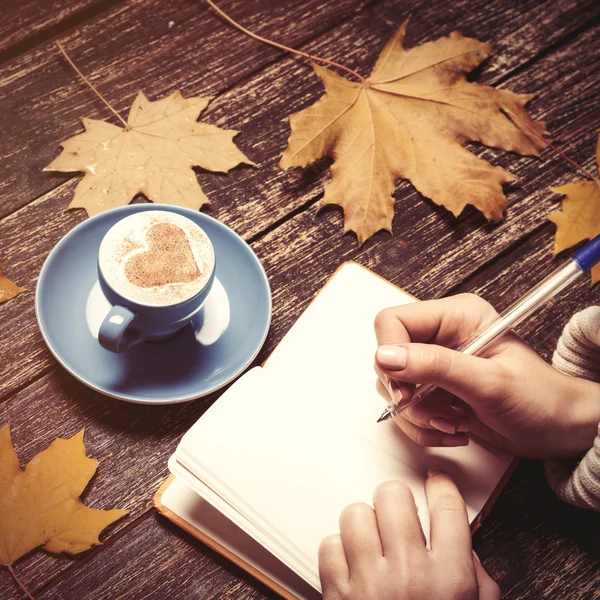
{"type": "Point", "coordinates": [131, 322]}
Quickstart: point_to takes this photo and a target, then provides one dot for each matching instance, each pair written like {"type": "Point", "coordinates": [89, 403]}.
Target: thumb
{"type": "Point", "coordinates": [475, 380]}
{"type": "Point", "coordinates": [488, 588]}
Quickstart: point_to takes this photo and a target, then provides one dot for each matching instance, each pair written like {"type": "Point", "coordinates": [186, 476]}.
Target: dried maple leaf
{"type": "Point", "coordinates": [410, 119]}
{"type": "Point", "coordinates": [40, 504]}
{"type": "Point", "coordinates": [153, 155]}
{"type": "Point", "coordinates": [579, 218]}
{"type": "Point", "coordinates": [8, 289]}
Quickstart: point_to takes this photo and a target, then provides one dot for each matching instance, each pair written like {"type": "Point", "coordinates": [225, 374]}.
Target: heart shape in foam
{"type": "Point", "coordinates": [169, 259]}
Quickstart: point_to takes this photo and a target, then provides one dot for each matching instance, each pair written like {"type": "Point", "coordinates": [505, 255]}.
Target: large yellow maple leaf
{"type": "Point", "coordinates": [579, 218]}
{"type": "Point", "coordinates": [153, 155]}
{"type": "Point", "coordinates": [411, 119]}
{"type": "Point", "coordinates": [40, 504]}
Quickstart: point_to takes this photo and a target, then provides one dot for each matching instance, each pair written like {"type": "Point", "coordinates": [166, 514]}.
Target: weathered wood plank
{"type": "Point", "coordinates": [431, 251]}
{"type": "Point", "coordinates": [27, 20]}
{"type": "Point", "coordinates": [511, 275]}
{"type": "Point", "coordinates": [535, 546]}
{"type": "Point", "coordinates": [301, 239]}
{"type": "Point", "coordinates": [159, 564]}
{"type": "Point", "coordinates": [526, 517]}
{"type": "Point", "coordinates": [134, 442]}
{"type": "Point", "coordinates": [45, 99]}
{"type": "Point", "coordinates": [532, 545]}
{"type": "Point", "coordinates": [115, 432]}
{"type": "Point", "coordinates": [161, 47]}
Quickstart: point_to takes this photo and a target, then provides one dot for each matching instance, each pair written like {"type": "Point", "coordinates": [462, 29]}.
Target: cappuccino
{"type": "Point", "coordinates": [156, 257]}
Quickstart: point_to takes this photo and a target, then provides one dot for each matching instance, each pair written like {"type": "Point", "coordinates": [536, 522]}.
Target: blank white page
{"type": "Point", "coordinates": [296, 442]}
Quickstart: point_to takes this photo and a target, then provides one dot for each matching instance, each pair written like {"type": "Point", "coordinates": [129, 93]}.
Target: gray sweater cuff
{"type": "Point", "coordinates": [578, 354]}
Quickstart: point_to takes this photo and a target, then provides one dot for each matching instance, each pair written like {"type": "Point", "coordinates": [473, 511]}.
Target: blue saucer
{"type": "Point", "coordinates": [206, 355]}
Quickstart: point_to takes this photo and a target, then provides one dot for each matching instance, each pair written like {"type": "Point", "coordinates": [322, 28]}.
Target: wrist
{"type": "Point", "coordinates": [579, 412]}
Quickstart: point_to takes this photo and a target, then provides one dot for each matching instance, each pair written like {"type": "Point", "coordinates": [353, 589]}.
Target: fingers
{"type": "Point", "coordinates": [477, 381]}
{"type": "Point", "coordinates": [430, 437]}
{"type": "Point", "coordinates": [440, 410]}
{"type": "Point", "coordinates": [333, 567]}
{"type": "Point", "coordinates": [447, 321]}
{"type": "Point", "coordinates": [488, 588]}
{"type": "Point", "coordinates": [360, 537]}
{"type": "Point", "coordinates": [450, 532]}
{"type": "Point", "coordinates": [397, 520]}
{"type": "Point", "coordinates": [432, 422]}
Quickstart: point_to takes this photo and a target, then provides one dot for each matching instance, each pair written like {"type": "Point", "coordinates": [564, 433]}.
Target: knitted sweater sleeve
{"type": "Point", "coordinates": [578, 354]}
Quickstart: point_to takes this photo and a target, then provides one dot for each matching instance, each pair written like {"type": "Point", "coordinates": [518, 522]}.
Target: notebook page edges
{"type": "Point", "coordinates": [280, 553]}
{"type": "Point", "coordinates": [245, 400]}
{"type": "Point", "coordinates": [287, 482]}
{"type": "Point", "coordinates": [182, 500]}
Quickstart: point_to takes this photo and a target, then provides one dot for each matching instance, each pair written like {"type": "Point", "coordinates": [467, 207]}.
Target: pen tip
{"type": "Point", "coordinates": [385, 415]}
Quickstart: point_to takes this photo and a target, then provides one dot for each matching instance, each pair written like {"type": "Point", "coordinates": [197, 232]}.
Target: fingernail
{"type": "Point", "coordinates": [463, 427]}
{"type": "Point", "coordinates": [455, 440]}
{"type": "Point", "coordinates": [392, 357]}
{"type": "Point", "coordinates": [443, 425]}
{"type": "Point", "coordinates": [476, 557]}
{"type": "Point", "coordinates": [395, 392]}
{"type": "Point", "coordinates": [435, 471]}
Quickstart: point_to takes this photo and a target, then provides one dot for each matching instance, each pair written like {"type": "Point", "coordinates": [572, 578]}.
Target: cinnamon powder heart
{"type": "Point", "coordinates": [168, 260]}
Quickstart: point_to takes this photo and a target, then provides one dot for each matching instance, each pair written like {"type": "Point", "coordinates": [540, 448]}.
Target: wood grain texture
{"type": "Point", "coordinates": [527, 530]}
{"type": "Point", "coordinates": [536, 547]}
{"type": "Point", "coordinates": [159, 565]}
{"type": "Point", "coordinates": [430, 248]}
{"type": "Point", "coordinates": [512, 274]}
{"type": "Point", "coordinates": [29, 19]}
{"type": "Point", "coordinates": [539, 46]}
{"type": "Point", "coordinates": [134, 442]}
{"type": "Point", "coordinates": [45, 99]}
{"type": "Point", "coordinates": [156, 47]}
{"type": "Point", "coordinates": [533, 545]}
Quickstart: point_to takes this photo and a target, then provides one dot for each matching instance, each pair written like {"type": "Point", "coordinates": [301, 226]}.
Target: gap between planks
{"type": "Point", "coordinates": [52, 31]}
{"type": "Point", "coordinates": [244, 79]}
{"type": "Point", "coordinates": [566, 39]}
{"type": "Point", "coordinates": [487, 266]}
{"type": "Point", "coordinates": [90, 554]}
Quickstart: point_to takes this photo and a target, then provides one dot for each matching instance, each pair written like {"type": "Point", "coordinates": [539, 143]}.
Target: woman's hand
{"type": "Point", "coordinates": [381, 555]}
{"type": "Point", "coordinates": [508, 396]}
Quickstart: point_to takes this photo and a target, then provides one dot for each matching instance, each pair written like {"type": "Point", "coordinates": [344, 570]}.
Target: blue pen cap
{"type": "Point", "coordinates": [588, 256]}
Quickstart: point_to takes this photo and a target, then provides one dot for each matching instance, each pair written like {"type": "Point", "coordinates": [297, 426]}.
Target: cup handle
{"type": "Point", "coordinates": [115, 334]}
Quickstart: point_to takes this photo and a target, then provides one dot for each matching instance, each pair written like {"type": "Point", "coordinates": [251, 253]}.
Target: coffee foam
{"type": "Point", "coordinates": [156, 257]}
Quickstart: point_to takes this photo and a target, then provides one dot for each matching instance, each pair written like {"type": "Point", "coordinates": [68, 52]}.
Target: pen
{"type": "Point", "coordinates": [580, 262]}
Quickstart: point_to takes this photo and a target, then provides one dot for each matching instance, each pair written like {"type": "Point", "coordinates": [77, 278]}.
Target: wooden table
{"type": "Point", "coordinates": [533, 545]}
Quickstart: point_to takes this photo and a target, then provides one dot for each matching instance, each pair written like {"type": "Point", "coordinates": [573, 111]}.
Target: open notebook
{"type": "Point", "coordinates": [268, 468]}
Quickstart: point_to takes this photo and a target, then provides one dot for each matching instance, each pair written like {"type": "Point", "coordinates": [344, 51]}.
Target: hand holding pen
{"type": "Point", "coordinates": [511, 398]}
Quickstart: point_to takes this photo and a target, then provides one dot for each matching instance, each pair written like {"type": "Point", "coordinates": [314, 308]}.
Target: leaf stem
{"type": "Point", "coordinates": [550, 145]}
{"type": "Point", "coordinates": [60, 47]}
{"type": "Point", "coordinates": [18, 581]}
{"type": "Point", "coordinates": [281, 46]}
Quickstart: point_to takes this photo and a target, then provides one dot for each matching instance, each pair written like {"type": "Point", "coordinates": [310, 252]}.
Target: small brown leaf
{"type": "Point", "coordinates": [153, 156]}
{"type": "Point", "coordinates": [8, 289]}
{"type": "Point", "coordinates": [40, 504]}
{"type": "Point", "coordinates": [411, 119]}
{"type": "Point", "coordinates": [579, 218]}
